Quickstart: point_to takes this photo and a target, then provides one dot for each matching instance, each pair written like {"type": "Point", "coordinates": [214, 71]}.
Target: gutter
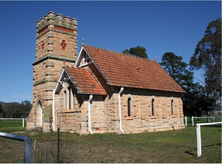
{"type": "Point", "coordinates": [89, 113]}
{"type": "Point", "coordinates": [120, 121]}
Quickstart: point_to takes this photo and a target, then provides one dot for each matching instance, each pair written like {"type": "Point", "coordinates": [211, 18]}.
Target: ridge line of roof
{"type": "Point", "coordinates": [120, 53]}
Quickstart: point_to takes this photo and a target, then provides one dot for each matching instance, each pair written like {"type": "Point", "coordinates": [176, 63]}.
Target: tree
{"type": "Point", "coordinates": [207, 56]}
{"type": "Point", "coordinates": [16, 110]}
{"type": "Point", "coordinates": [195, 103]}
{"type": "Point", "coordinates": [1, 111]}
{"type": "Point", "coordinates": [177, 69]}
{"type": "Point", "coordinates": [136, 51]}
{"type": "Point", "coordinates": [26, 108]}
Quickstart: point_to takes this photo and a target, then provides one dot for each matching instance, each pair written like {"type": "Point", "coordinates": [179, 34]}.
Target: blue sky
{"type": "Point", "coordinates": [159, 26]}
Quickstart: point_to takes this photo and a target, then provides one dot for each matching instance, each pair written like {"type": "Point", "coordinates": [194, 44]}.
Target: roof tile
{"type": "Point", "coordinates": [84, 81]}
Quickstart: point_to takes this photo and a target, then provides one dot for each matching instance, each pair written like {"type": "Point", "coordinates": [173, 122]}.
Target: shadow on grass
{"type": "Point", "coordinates": [192, 150]}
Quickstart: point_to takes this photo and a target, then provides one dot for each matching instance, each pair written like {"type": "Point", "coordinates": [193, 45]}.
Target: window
{"type": "Point", "coordinates": [68, 99]}
{"type": "Point", "coordinates": [71, 99]}
{"type": "Point", "coordinates": [64, 98]}
{"type": "Point", "coordinates": [172, 107]}
{"type": "Point", "coordinates": [129, 106]}
{"type": "Point", "coordinates": [85, 60]}
{"type": "Point", "coordinates": [153, 104]}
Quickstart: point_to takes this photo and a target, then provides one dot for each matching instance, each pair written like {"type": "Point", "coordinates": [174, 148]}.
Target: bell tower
{"type": "Point", "coordinates": [56, 46]}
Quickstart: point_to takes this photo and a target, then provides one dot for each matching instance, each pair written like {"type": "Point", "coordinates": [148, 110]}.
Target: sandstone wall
{"type": "Point", "coordinates": [75, 119]}
{"type": "Point", "coordinates": [106, 114]}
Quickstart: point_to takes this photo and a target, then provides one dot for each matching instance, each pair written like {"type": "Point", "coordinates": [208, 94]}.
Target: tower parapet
{"type": "Point", "coordinates": [65, 23]}
{"type": "Point", "coordinates": [54, 34]}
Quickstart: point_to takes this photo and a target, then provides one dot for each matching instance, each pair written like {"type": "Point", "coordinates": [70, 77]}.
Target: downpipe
{"type": "Point", "coordinates": [89, 113]}
{"type": "Point", "coordinates": [120, 120]}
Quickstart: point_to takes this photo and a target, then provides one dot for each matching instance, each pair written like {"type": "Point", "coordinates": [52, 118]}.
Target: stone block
{"type": "Point", "coordinates": [46, 127]}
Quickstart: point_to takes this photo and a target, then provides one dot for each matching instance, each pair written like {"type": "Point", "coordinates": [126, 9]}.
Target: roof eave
{"type": "Point", "coordinates": [182, 92]}
{"type": "Point", "coordinates": [79, 57]}
{"type": "Point", "coordinates": [82, 93]}
{"type": "Point", "coordinates": [64, 71]}
{"type": "Point", "coordinates": [58, 82]}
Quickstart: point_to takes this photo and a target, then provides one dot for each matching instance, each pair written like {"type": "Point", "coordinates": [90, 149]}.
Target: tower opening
{"type": "Point", "coordinates": [39, 115]}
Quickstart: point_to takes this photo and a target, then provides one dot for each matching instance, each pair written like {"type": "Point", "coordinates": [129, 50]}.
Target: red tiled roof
{"type": "Point", "coordinates": [84, 81]}
{"type": "Point", "coordinates": [129, 71]}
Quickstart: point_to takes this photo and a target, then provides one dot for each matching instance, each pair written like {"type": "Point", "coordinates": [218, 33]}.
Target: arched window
{"type": "Point", "coordinates": [71, 99]}
{"type": "Point", "coordinates": [129, 106]}
{"type": "Point", "coordinates": [68, 98]}
{"type": "Point", "coordinates": [153, 104]}
{"type": "Point", "coordinates": [64, 100]}
{"type": "Point", "coordinates": [172, 107]}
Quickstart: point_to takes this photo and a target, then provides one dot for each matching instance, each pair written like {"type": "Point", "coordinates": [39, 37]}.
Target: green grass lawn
{"type": "Point", "coordinates": [149, 147]}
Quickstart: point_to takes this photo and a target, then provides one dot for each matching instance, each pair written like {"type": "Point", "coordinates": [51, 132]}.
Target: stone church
{"type": "Point", "coordinates": [98, 90]}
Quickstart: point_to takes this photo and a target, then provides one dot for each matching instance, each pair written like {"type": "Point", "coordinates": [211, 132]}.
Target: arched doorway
{"type": "Point", "coordinates": [39, 115]}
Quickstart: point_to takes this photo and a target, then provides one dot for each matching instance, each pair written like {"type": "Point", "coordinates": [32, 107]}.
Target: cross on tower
{"type": "Point", "coordinates": [42, 45]}
{"type": "Point", "coordinates": [63, 44]}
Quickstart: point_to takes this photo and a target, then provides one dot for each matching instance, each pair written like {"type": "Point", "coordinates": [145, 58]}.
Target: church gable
{"type": "Point", "coordinates": [83, 58]}
{"type": "Point", "coordinates": [81, 79]}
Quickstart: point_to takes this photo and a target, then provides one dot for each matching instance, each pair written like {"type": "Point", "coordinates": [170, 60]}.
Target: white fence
{"type": "Point", "coordinates": [203, 117]}
{"type": "Point", "coordinates": [23, 120]}
{"type": "Point", "coordinates": [199, 151]}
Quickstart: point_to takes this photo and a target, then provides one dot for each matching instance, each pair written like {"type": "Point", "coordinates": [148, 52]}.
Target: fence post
{"type": "Point", "coordinates": [23, 122]}
{"type": "Point", "coordinates": [27, 150]}
{"type": "Point", "coordinates": [198, 130]}
{"type": "Point", "coordinates": [192, 121]}
{"type": "Point", "coordinates": [198, 140]}
{"type": "Point", "coordinates": [33, 160]}
{"type": "Point", "coordinates": [185, 120]}
{"type": "Point", "coordinates": [58, 145]}
{"type": "Point", "coordinates": [45, 153]}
